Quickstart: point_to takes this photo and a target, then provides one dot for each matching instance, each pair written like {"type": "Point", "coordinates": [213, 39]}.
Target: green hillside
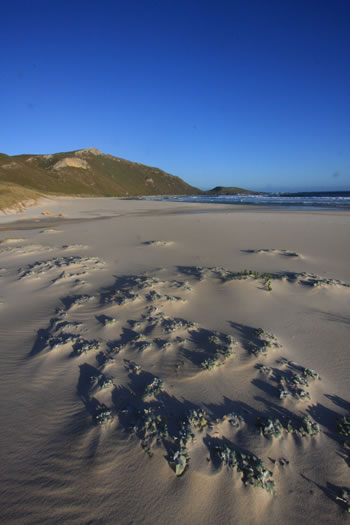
{"type": "Point", "coordinates": [89, 173]}
{"type": "Point", "coordinates": [14, 196]}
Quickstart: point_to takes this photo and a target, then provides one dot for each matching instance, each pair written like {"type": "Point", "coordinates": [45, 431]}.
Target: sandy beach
{"type": "Point", "coordinates": [169, 363]}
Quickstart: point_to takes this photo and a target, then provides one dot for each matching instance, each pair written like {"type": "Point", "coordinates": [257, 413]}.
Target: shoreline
{"type": "Point", "coordinates": [52, 207]}
{"type": "Point", "coordinates": [47, 201]}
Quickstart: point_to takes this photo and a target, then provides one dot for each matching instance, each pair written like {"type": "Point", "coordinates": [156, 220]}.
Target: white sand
{"type": "Point", "coordinates": [94, 275]}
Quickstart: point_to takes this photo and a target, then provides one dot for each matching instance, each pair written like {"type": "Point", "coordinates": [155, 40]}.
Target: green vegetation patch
{"type": "Point", "coordinates": [12, 195]}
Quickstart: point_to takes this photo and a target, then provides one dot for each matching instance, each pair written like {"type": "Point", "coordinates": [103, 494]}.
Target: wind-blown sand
{"type": "Point", "coordinates": [146, 345]}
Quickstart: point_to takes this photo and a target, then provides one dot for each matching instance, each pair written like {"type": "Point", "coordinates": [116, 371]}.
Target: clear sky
{"type": "Point", "coordinates": [238, 93]}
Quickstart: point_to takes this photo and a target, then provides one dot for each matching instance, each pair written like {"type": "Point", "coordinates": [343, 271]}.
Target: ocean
{"type": "Point", "coordinates": [333, 200]}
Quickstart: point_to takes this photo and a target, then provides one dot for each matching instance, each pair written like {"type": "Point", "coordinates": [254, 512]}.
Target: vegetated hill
{"type": "Point", "coordinates": [228, 190]}
{"type": "Point", "coordinates": [14, 197]}
{"type": "Point", "coordinates": [89, 172]}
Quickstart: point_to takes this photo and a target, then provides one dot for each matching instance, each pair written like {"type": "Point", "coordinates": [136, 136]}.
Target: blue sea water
{"type": "Point", "coordinates": [294, 201]}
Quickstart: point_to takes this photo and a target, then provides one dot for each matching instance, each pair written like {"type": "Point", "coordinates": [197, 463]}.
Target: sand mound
{"type": "Point", "coordinates": [273, 251]}
{"type": "Point", "coordinates": [158, 243]}
{"type": "Point", "coordinates": [24, 250]}
{"type": "Point", "coordinates": [29, 249]}
{"type": "Point", "coordinates": [12, 240]}
{"type": "Point", "coordinates": [50, 230]}
{"type": "Point", "coordinates": [75, 267]}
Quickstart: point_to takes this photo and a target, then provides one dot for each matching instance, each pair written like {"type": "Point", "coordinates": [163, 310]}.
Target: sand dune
{"type": "Point", "coordinates": [158, 243]}
{"type": "Point", "coordinates": [200, 384]}
{"type": "Point", "coordinates": [274, 251]}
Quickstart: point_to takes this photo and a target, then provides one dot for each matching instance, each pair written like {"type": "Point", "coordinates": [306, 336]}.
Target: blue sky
{"type": "Point", "coordinates": [242, 93]}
